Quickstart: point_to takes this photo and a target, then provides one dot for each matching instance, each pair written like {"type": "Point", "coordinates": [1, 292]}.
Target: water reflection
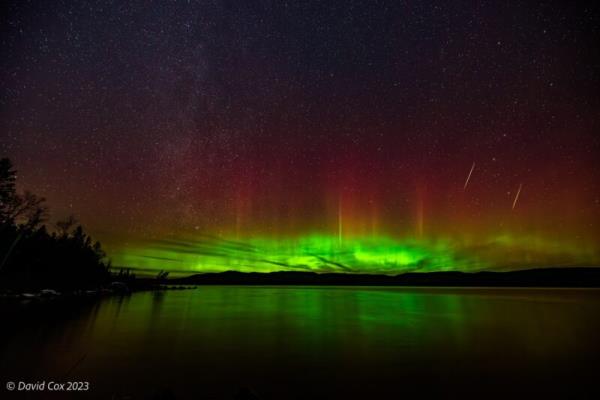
{"type": "Point", "coordinates": [295, 342]}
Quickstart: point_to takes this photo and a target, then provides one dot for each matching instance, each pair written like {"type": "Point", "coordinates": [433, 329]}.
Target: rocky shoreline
{"type": "Point", "coordinates": [114, 289]}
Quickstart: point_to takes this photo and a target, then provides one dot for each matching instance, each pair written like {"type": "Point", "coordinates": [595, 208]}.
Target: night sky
{"type": "Point", "coordinates": [333, 136]}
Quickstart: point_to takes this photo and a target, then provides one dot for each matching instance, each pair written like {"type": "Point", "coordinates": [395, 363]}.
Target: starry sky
{"type": "Point", "coordinates": [381, 136]}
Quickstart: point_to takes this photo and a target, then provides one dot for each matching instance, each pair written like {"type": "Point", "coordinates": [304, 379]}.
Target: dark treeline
{"type": "Point", "coordinates": [36, 256]}
{"type": "Point", "coordinates": [543, 277]}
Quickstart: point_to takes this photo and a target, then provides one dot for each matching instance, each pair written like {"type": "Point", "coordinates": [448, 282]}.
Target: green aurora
{"type": "Point", "coordinates": [369, 254]}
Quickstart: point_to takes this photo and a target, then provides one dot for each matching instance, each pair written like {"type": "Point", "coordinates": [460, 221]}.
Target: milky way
{"type": "Point", "coordinates": [323, 135]}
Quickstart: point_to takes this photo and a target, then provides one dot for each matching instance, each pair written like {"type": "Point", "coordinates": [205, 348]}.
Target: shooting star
{"type": "Point", "coordinates": [517, 196]}
{"type": "Point", "coordinates": [469, 176]}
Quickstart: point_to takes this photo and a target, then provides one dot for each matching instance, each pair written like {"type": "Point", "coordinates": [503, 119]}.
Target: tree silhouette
{"type": "Point", "coordinates": [63, 227]}
{"type": "Point", "coordinates": [33, 258]}
{"type": "Point", "coordinates": [8, 177]}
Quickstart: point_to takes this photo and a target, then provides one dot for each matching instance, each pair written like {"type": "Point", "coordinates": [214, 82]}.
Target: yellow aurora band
{"type": "Point", "coordinates": [369, 254]}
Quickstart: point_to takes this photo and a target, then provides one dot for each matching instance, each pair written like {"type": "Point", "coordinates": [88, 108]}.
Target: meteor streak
{"type": "Point", "coordinates": [469, 176]}
{"type": "Point", "coordinates": [517, 196]}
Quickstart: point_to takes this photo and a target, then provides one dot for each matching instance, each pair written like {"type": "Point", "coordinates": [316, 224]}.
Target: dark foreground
{"type": "Point", "coordinates": [226, 342]}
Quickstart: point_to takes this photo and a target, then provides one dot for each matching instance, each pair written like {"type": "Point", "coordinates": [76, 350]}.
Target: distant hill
{"type": "Point", "coordinates": [543, 277]}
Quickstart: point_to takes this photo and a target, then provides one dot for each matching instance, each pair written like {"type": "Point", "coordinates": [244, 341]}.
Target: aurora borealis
{"type": "Point", "coordinates": [341, 136]}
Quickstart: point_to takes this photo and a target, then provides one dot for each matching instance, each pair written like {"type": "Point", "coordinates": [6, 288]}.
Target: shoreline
{"type": "Point", "coordinates": [543, 278]}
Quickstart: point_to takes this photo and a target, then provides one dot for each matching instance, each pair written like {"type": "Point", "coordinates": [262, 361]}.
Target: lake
{"type": "Point", "coordinates": [218, 342]}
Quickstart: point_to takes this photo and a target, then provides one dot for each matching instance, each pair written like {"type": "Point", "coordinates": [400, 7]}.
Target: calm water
{"type": "Point", "coordinates": [307, 342]}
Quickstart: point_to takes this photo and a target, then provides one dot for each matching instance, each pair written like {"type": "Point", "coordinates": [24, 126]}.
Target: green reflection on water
{"type": "Point", "coordinates": [274, 336]}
